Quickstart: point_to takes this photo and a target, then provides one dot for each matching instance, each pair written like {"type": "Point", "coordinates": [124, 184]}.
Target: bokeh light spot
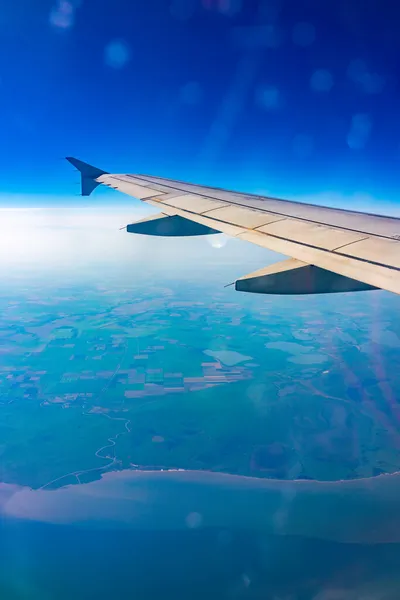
{"type": "Point", "coordinates": [62, 15]}
{"type": "Point", "coordinates": [369, 83]}
{"type": "Point", "coordinates": [230, 7]}
{"type": "Point", "coordinates": [227, 7]}
{"type": "Point", "coordinates": [361, 125]}
{"type": "Point", "coordinates": [257, 393]}
{"type": "Point", "coordinates": [194, 520]}
{"type": "Point", "coordinates": [321, 81]}
{"type": "Point", "coordinates": [217, 241]}
{"type": "Point", "coordinates": [117, 54]}
{"type": "Point", "coordinates": [268, 97]}
{"type": "Point", "coordinates": [303, 34]}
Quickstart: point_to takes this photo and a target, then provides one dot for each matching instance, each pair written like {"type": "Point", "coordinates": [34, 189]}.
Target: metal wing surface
{"type": "Point", "coordinates": [331, 250]}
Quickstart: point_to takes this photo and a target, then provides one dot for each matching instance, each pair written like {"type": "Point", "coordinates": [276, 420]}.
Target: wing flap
{"type": "Point", "coordinates": [375, 250]}
{"type": "Point", "coordinates": [227, 228]}
{"type": "Point", "coordinates": [247, 217]}
{"type": "Point", "coordinates": [196, 204]}
{"type": "Point", "coordinates": [321, 236]}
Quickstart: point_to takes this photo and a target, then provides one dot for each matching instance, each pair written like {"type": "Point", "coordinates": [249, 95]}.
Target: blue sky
{"type": "Point", "coordinates": [292, 98]}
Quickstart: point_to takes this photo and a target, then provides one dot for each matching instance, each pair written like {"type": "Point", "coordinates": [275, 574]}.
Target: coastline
{"type": "Point", "coordinates": [351, 511]}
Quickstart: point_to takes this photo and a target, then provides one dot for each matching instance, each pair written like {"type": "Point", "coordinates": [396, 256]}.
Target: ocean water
{"type": "Point", "coordinates": [195, 535]}
{"type": "Point", "coordinates": [45, 561]}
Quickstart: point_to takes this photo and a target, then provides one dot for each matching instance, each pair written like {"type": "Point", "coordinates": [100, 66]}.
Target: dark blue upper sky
{"type": "Point", "coordinates": [290, 97]}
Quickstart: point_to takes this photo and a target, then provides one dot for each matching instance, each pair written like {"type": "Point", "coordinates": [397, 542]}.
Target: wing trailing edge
{"type": "Point", "coordinates": [296, 277]}
{"type": "Point", "coordinates": [169, 226]}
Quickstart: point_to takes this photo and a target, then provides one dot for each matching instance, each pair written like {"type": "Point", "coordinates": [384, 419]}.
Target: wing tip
{"type": "Point", "coordinates": [89, 174]}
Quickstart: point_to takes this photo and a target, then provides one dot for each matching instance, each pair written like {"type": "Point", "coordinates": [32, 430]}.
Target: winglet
{"type": "Point", "coordinates": [89, 174]}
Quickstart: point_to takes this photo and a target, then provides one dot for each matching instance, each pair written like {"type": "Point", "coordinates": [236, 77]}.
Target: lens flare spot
{"type": "Point", "coordinates": [227, 7]}
{"type": "Point", "coordinates": [193, 520]}
{"type": "Point", "coordinates": [360, 130]}
{"type": "Point", "coordinates": [321, 81]}
{"type": "Point", "coordinates": [217, 241]}
{"type": "Point", "coordinates": [369, 83]}
{"type": "Point", "coordinates": [62, 15]}
{"type": "Point", "coordinates": [268, 97]}
{"type": "Point", "coordinates": [117, 54]}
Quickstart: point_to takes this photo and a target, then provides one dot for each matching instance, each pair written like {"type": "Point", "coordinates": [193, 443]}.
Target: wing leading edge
{"type": "Point", "coordinates": [331, 250]}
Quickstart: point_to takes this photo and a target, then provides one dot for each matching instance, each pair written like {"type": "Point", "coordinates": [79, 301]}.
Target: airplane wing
{"type": "Point", "coordinates": [331, 250]}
